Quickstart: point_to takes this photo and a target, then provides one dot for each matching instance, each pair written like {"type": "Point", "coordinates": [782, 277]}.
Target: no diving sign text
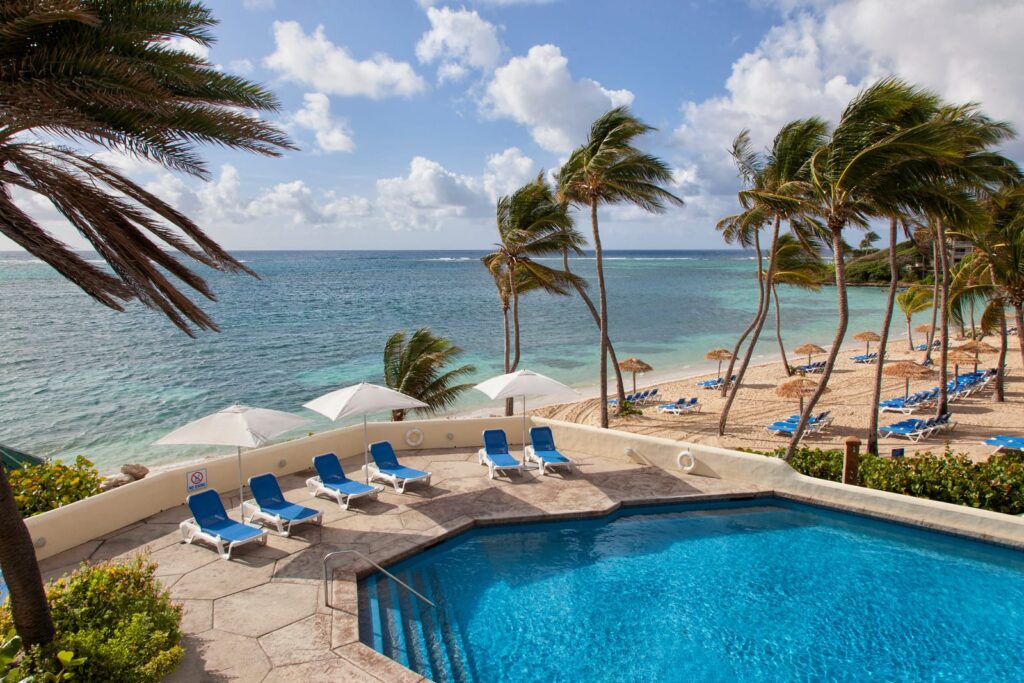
{"type": "Point", "coordinates": [195, 480]}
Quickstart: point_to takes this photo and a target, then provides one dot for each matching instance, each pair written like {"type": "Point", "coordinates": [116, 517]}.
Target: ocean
{"type": "Point", "coordinates": [77, 378]}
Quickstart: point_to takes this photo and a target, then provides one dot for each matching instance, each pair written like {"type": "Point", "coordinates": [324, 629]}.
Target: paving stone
{"type": "Point", "coordinates": [67, 561]}
{"type": "Point", "coordinates": [136, 539]}
{"type": "Point", "coordinates": [197, 615]}
{"type": "Point", "coordinates": [221, 657]}
{"type": "Point", "coordinates": [222, 578]}
{"type": "Point", "coordinates": [174, 515]}
{"type": "Point", "coordinates": [182, 558]}
{"type": "Point", "coordinates": [344, 629]}
{"type": "Point", "coordinates": [303, 641]}
{"type": "Point", "coordinates": [322, 671]}
{"type": "Point", "coordinates": [377, 664]}
{"type": "Point", "coordinates": [260, 610]}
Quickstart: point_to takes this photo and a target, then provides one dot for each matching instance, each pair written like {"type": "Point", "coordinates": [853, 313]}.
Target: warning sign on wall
{"type": "Point", "coordinates": [195, 480]}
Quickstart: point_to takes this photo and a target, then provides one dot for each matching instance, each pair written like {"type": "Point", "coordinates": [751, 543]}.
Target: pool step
{"type": "Point", "coordinates": [396, 623]}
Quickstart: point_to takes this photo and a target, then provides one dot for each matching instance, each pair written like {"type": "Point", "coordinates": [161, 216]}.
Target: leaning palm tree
{"type": "Point", "coordinates": [531, 223]}
{"type": "Point", "coordinates": [105, 73]}
{"type": "Point", "coordinates": [796, 266]}
{"type": "Point", "coordinates": [911, 301]}
{"type": "Point", "coordinates": [417, 365]}
{"type": "Point", "coordinates": [888, 138]}
{"type": "Point", "coordinates": [777, 180]}
{"type": "Point", "coordinates": [609, 169]}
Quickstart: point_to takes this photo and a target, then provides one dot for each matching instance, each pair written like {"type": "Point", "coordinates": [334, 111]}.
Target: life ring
{"type": "Point", "coordinates": [414, 437]}
{"type": "Point", "coordinates": [686, 461]}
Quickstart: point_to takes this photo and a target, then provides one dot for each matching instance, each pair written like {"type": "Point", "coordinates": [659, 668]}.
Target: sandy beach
{"type": "Point", "coordinates": [849, 397]}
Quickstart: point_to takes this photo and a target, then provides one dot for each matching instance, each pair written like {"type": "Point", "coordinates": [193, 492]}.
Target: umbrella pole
{"type": "Point", "coordinates": [719, 368]}
{"type": "Point", "coordinates": [241, 496]}
{"type": "Point", "coordinates": [906, 390]}
{"type": "Point", "coordinates": [366, 452]}
{"type": "Point", "coordinates": [634, 390]}
{"type": "Point", "coordinates": [526, 465]}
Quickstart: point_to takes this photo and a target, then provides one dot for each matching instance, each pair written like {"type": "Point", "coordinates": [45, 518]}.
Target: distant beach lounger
{"type": "Point", "coordinates": [1012, 443]}
{"type": "Point", "coordinates": [681, 406]}
{"type": "Point", "coordinates": [268, 505]}
{"type": "Point", "coordinates": [495, 454]}
{"type": "Point", "coordinates": [332, 482]}
{"type": "Point", "coordinates": [385, 467]}
{"type": "Point", "coordinates": [865, 358]}
{"type": "Point", "coordinates": [542, 451]}
{"type": "Point", "coordinates": [210, 524]}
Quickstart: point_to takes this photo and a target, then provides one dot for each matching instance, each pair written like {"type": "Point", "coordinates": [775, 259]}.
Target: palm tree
{"type": "Point", "coordinates": [912, 301]}
{"type": "Point", "coordinates": [122, 85]}
{"type": "Point", "coordinates": [609, 169]}
{"type": "Point", "coordinates": [417, 366]}
{"type": "Point", "coordinates": [795, 266]}
{"type": "Point", "coordinates": [889, 138]}
{"type": "Point", "coordinates": [870, 237]}
{"type": "Point", "coordinates": [777, 178]}
{"type": "Point", "coordinates": [531, 223]}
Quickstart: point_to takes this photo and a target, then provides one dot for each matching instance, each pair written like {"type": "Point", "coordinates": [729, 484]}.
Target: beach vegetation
{"type": "Point", "coordinates": [420, 365]}
{"type": "Point", "coordinates": [609, 169]}
{"type": "Point", "coordinates": [796, 266]}
{"type": "Point", "coordinates": [117, 619]}
{"type": "Point", "coordinates": [912, 301]}
{"type": "Point", "coordinates": [36, 664]}
{"type": "Point", "coordinates": [53, 484]}
{"type": "Point", "coordinates": [531, 223]}
{"type": "Point", "coordinates": [125, 84]}
{"type": "Point", "coordinates": [996, 484]}
{"type": "Point", "coordinates": [774, 182]}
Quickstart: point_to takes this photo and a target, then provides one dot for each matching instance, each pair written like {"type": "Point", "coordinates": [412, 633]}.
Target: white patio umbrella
{"type": "Point", "coordinates": [522, 383]}
{"type": "Point", "coordinates": [362, 399]}
{"type": "Point", "coordinates": [238, 426]}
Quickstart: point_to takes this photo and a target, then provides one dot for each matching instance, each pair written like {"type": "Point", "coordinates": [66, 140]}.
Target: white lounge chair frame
{"type": "Point", "coordinates": [484, 459]}
{"type": "Point", "coordinates": [399, 483]}
{"type": "Point", "coordinates": [282, 525]}
{"type": "Point", "coordinates": [531, 456]}
{"type": "Point", "coordinates": [316, 488]}
{"type": "Point", "coordinates": [191, 531]}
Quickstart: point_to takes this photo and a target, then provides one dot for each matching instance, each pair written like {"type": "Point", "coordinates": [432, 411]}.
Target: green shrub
{"type": "Point", "coordinates": [630, 408]}
{"type": "Point", "coordinates": [38, 488]}
{"type": "Point", "coordinates": [34, 666]}
{"type": "Point", "coordinates": [119, 618]}
{"type": "Point", "coordinates": [997, 484]}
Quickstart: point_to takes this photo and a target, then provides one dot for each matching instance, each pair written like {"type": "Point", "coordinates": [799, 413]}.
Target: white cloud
{"type": "Point", "coordinates": [539, 92]}
{"type": "Point", "coordinates": [507, 171]}
{"type": "Point", "coordinates": [823, 53]}
{"type": "Point", "coordinates": [313, 59]}
{"type": "Point", "coordinates": [190, 46]}
{"type": "Point", "coordinates": [428, 196]}
{"type": "Point", "coordinates": [332, 134]}
{"type": "Point", "coordinates": [241, 66]}
{"type": "Point", "coordinates": [460, 40]}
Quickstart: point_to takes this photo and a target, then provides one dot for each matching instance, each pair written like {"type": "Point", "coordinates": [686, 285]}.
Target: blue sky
{"type": "Point", "coordinates": [412, 117]}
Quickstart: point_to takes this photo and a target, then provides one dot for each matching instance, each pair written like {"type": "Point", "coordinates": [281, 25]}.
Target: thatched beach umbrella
{"type": "Point", "coordinates": [634, 365]}
{"type": "Point", "coordinates": [797, 387]}
{"type": "Point", "coordinates": [809, 349]}
{"type": "Point", "coordinates": [908, 370]}
{"type": "Point", "coordinates": [976, 347]}
{"type": "Point", "coordinates": [959, 356]}
{"type": "Point", "coordinates": [924, 328]}
{"type": "Point", "coordinates": [719, 355]}
{"type": "Point", "coordinates": [867, 337]}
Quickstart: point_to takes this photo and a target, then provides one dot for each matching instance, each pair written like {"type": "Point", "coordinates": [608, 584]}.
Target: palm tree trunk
{"type": "Point", "coordinates": [29, 609]}
{"type": "Point", "coordinates": [620, 387]}
{"type": "Point", "coordinates": [876, 396]}
{"type": "Point", "coordinates": [942, 405]}
{"type": "Point", "coordinates": [837, 341]}
{"type": "Point", "coordinates": [973, 326]}
{"type": "Point", "coordinates": [603, 300]}
{"type": "Point", "coordinates": [753, 321]}
{"type": "Point", "coordinates": [778, 332]}
{"type": "Point", "coordinates": [515, 316]}
{"type": "Point", "coordinates": [509, 403]}
{"type": "Point", "coordinates": [762, 313]}
{"type": "Point", "coordinates": [397, 415]}
{"type": "Point", "coordinates": [935, 298]}
{"type": "Point", "coordinates": [998, 391]}
{"type": "Point", "coordinates": [910, 334]}
{"type": "Point", "coordinates": [1018, 320]}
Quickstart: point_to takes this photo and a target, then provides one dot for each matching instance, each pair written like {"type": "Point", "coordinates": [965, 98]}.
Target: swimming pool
{"type": "Point", "coordinates": [760, 591]}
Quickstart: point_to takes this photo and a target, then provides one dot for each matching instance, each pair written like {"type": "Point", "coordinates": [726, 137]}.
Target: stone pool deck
{"type": "Point", "coordinates": [261, 616]}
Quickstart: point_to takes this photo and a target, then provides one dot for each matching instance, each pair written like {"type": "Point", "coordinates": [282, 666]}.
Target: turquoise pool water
{"type": "Point", "coordinates": [765, 591]}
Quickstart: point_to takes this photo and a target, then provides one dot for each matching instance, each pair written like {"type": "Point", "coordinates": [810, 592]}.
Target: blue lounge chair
{"type": "Point", "coordinates": [543, 452]}
{"type": "Point", "coordinates": [780, 428]}
{"type": "Point", "coordinates": [269, 505]}
{"type": "Point", "coordinates": [681, 406]}
{"type": "Point", "coordinates": [495, 454]}
{"type": "Point", "coordinates": [1001, 442]}
{"type": "Point", "coordinates": [385, 467]}
{"type": "Point", "coordinates": [915, 430]}
{"type": "Point", "coordinates": [332, 482]}
{"type": "Point", "coordinates": [210, 524]}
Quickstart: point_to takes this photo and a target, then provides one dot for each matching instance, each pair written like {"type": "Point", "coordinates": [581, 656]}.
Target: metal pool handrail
{"type": "Point", "coordinates": [327, 590]}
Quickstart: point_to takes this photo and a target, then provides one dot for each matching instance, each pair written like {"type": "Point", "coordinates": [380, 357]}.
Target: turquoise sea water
{"type": "Point", "coordinates": [767, 591]}
{"type": "Point", "coordinates": [78, 378]}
